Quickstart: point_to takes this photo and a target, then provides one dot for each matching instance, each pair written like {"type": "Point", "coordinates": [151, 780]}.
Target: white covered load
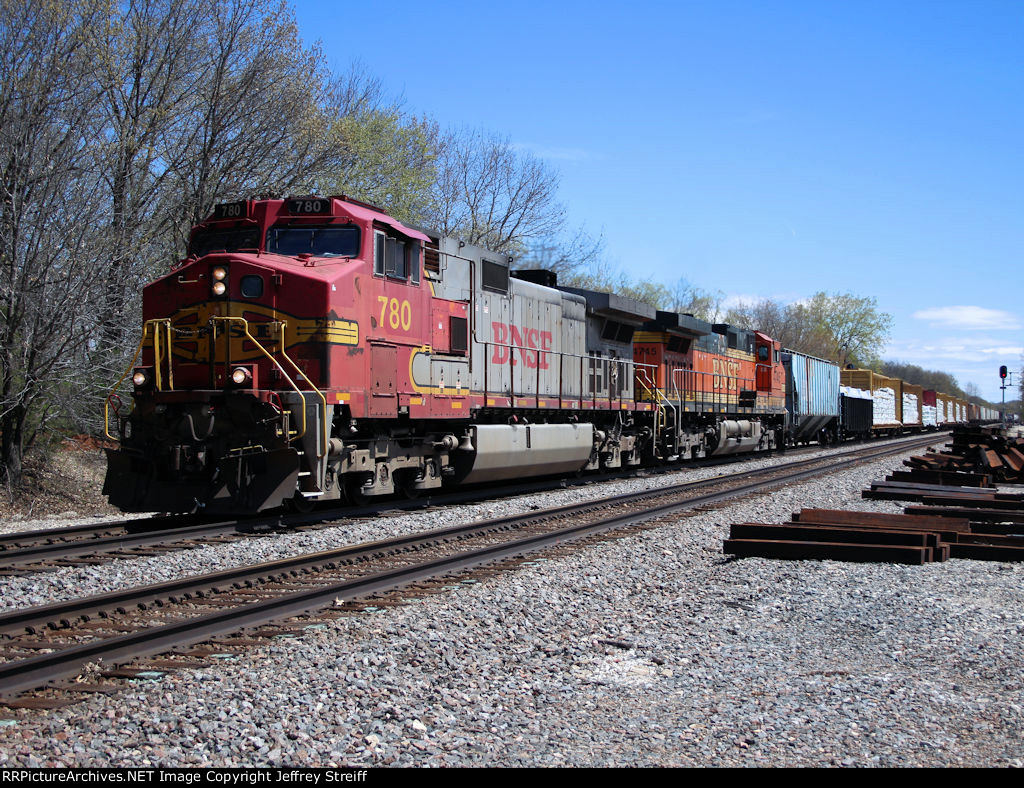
{"type": "Point", "coordinates": [909, 408]}
{"type": "Point", "coordinates": [885, 406]}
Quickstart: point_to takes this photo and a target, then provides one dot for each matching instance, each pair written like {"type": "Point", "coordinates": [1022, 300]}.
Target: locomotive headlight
{"type": "Point", "coordinates": [219, 288]}
{"type": "Point", "coordinates": [220, 273]}
{"type": "Point", "coordinates": [240, 376]}
{"type": "Point", "coordinates": [140, 378]}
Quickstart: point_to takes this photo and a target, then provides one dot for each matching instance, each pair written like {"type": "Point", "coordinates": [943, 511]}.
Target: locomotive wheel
{"type": "Point", "coordinates": [410, 490]}
{"type": "Point", "coordinates": [299, 504]}
{"type": "Point", "coordinates": [354, 492]}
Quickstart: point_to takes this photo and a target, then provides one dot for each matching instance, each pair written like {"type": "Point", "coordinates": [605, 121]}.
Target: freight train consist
{"type": "Point", "coordinates": [315, 348]}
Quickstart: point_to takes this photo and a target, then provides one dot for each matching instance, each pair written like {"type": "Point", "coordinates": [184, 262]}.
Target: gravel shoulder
{"type": "Point", "coordinates": [652, 650]}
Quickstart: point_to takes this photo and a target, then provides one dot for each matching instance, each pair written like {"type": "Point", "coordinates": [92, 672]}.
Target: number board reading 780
{"type": "Point", "coordinates": [309, 206]}
{"type": "Point", "coordinates": [231, 210]}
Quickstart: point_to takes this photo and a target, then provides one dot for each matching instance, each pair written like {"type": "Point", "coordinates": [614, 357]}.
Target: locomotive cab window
{"type": "Point", "coordinates": [331, 241]}
{"type": "Point", "coordinates": [206, 241]}
{"type": "Point", "coordinates": [396, 258]}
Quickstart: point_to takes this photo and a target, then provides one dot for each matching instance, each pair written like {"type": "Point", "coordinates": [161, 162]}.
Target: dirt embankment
{"type": "Point", "coordinates": [67, 481]}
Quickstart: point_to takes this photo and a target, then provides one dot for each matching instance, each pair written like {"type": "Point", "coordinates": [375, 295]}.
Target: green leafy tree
{"type": "Point", "coordinates": [841, 327]}
{"type": "Point", "coordinates": [932, 379]}
{"type": "Point", "coordinates": [854, 328]}
{"type": "Point", "coordinates": [385, 158]}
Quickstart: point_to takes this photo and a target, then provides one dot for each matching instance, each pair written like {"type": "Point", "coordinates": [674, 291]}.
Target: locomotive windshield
{"type": "Point", "coordinates": [206, 241]}
{"type": "Point", "coordinates": [317, 241]}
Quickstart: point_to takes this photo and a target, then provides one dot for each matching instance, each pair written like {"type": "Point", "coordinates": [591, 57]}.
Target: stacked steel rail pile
{"type": "Point", "coordinates": [840, 535]}
{"type": "Point", "coordinates": [963, 516]}
{"type": "Point", "coordinates": [980, 450]}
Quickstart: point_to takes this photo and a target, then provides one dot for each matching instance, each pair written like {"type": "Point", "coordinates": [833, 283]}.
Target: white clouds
{"type": "Point", "coordinates": [971, 318]}
{"type": "Point", "coordinates": [968, 358]}
{"type": "Point", "coordinates": [734, 300]}
{"type": "Point", "coordinates": [737, 299]}
{"type": "Point", "coordinates": [958, 348]}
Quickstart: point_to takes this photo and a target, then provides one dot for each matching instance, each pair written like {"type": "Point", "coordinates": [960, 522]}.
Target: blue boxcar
{"type": "Point", "coordinates": [812, 396]}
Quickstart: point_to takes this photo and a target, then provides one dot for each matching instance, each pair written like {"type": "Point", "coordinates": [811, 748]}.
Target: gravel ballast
{"type": "Point", "coordinates": [653, 649]}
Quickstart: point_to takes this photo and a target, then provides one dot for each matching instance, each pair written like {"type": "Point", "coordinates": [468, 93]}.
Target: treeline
{"type": "Point", "coordinates": [122, 122]}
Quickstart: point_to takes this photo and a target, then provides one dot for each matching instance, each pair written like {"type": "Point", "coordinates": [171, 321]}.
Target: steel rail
{"type": "Point", "coordinates": [21, 675]}
{"type": "Point", "coordinates": [20, 539]}
{"type": "Point", "coordinates": [109, 544]}
{"type": "Point", "coordinates": [21, 549]}
{"type": "Point", "coordinates": [64, 613]}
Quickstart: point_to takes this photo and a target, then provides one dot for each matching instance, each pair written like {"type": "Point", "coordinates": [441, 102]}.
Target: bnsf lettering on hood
{"type": "Point", "coordinates": [521, 340]}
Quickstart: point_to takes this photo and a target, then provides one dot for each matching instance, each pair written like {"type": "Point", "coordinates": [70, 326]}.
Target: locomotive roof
{"type": "Point", "coordinates": [677, 323]}
{"type": "Point", "coordinates": [612, 305]}
{"type": "Point", "coordinates": [360, 211]}
{"type": "Point", "coordinates": [355, 209]}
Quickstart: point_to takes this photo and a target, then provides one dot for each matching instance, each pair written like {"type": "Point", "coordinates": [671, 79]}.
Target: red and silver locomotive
{"type": "Point", "coordinates": [316, 348]}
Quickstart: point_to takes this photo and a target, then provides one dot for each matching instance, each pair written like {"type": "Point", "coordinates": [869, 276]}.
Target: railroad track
{"type": "Point", "coordinates": [29, 552]}
{"type": "Point", "coordinates": [172, 617]}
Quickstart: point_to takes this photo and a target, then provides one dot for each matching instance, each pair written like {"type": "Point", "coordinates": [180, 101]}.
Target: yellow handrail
{"type": "Point", "coordinates": [263, 350]}
{"type": "Point", "coordinates": [323, 399]}
{"type": "Point", "coordinates": [158, 357]}
{"type": "Point", "coordinates": [138, 351]}
{"type": "Point", "coordinates": [163, 350]}
{"type": "Point", "coordinates": [656, 394]}
{"type": "Point", "coordinates": [245, 328]}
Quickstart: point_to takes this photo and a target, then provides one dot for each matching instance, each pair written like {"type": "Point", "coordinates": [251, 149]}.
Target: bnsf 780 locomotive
{"type": "Point", "coordinates": [316, 348]}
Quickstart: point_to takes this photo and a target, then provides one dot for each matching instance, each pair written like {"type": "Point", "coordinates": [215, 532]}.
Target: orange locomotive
{"type": "Point", "coordinates": [721, 389]}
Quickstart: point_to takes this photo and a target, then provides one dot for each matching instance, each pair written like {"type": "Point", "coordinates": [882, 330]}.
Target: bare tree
{"type": "Point", "coordinates": [490, 194]}
{"type": "Point", "coordinates": [787, 323]}
{"type": "Point", "coordinates": [47, 102]}
{"type": "Point", "coordinates": [565, 255]}
{"type": "Point", "coordinates": [356, 92]}
{"type": "Point", "coordinates": [145, 79]}
{"type": "Point", "coordinates": [254, 122]}
{"type": "Point", "coordinates": [687, 299]}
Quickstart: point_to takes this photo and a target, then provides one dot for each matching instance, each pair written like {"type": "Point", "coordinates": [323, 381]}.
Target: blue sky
{"type": "Point", "coordinates": [763, 149]}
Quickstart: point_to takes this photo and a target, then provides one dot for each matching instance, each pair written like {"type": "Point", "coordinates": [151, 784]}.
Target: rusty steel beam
{"type": "Point", "coordinates": [863, 553]}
